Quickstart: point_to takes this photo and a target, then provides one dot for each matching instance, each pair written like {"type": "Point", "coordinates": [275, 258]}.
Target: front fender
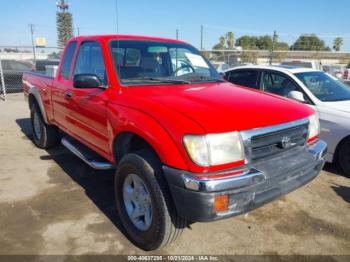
{"type": "Point", "coordinates": [124, 119]}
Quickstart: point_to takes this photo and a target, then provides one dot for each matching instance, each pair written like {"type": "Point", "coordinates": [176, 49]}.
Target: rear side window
{"type": "Point", "coordinates": [67, 60]}
{"type": "Point", "coordinates": [90, 61]}
{"type": "Point", "coordinates": [247, 78]}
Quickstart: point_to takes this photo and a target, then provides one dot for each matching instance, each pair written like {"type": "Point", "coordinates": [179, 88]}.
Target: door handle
{"type": "Point", "coordinates": [68, 94]}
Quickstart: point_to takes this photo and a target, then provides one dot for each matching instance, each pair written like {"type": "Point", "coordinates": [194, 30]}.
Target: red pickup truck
{"type": "Point", "coordinates": [186, 145]}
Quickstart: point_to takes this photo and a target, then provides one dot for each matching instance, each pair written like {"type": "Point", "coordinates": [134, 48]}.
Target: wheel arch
{"type": "Point", "coordinates": [336, 152]}
{"type": "Point", "coordinates": [129, 141]}
{"type": "Point", "coordinates": [34, 97]}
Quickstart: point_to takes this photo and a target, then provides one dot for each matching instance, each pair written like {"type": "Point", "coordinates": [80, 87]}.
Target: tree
{"type": "Point", "coordinates": [264, 42]}
{"type": "Point", "coordinates": [247, 42]}
{"type": "Point", "coordinates": [281, 46]}
{"type": "Point", "coordinates": [230, 40]}
{"type": "Point", "coordinates": [337, 44]}
{"type": "Point", "coordinates": [64, 23]}
{"type": "Point", "coordinates": [309, 43]}
{"type": "Point", "coordinates": [220, 45]}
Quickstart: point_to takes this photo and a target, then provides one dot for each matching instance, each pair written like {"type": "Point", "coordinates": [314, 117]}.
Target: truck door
{"type": "Point", "coordinates": [61, 87]}
{"type": "Point", "coordinates": [87, 107]}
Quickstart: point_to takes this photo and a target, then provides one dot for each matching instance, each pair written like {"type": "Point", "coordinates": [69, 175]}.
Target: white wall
{"type": "Point", "coordinates": [22, 56]}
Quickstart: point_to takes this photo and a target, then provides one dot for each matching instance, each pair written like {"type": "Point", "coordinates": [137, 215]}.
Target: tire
{"type": "Point", "coordinates": [44, 136]}
{"type": "Point", "coordinates": [165, 226]}
{"type": "Point", "coordinates": [344, 156]}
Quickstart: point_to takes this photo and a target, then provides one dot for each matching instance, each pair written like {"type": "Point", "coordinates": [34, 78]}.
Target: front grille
{"type": "Point", "coordinates": [267, 144]}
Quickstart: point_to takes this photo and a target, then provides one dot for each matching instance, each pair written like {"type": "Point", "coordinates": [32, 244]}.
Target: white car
{"type": "Point", "coordinates": [327, 95]}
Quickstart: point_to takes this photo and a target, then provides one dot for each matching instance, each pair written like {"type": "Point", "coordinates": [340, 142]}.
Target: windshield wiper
{"type": "Point", "coordinates": [160, 79]}
{"type": "Point", "coordinates": [204, 78]}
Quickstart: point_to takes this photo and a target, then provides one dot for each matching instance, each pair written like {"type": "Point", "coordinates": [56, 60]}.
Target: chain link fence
{"type": "Point", "coordinates": [15, 60]}
{"type": "Point", "coordinates": [237, 57]}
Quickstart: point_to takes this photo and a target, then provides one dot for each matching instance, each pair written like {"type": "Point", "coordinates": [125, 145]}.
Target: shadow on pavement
{"type": "Point", "coordinates": [98, 185]}
{"type": "Point", "coordinates": [343, 192]}
{"type": "Point", "coordinates": [332, 168]}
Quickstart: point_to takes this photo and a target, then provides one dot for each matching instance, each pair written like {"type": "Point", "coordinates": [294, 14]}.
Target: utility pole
{"type": "Point", "coordinates": [201, 37]}
{"type": "Point", "coordinates": [274, 40]}
{"type": "Point", "coordinates": [78, 31]}
{"type": "Point", "coordinates": [32, 34]}
{"type": "Point", "coordinates": [177, 34]}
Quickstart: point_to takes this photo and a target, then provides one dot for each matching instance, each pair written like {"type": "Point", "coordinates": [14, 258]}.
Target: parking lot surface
{"type": "Point", "coordinates": [53, 203]}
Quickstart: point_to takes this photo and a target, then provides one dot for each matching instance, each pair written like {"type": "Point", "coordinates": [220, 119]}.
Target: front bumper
{"type": "Point", "coordinates": [257, 184]}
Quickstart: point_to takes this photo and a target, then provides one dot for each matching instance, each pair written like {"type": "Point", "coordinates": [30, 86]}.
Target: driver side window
{"type": "Point", "coordinates": [277, 84]}
{"type": "Point", "coordinates": [90, 61]}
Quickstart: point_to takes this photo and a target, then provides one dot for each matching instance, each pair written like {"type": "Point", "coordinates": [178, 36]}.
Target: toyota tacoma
{"type": "Point", "coordinates": [186, 146]}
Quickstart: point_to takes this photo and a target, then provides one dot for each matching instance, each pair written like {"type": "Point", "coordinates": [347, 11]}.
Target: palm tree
{"type": "Point", "coordinates": [230, 40]}
{"type": "Point", "coordinates": [338, 42]}
{"type": "Point", "coordinates": [221, 44]}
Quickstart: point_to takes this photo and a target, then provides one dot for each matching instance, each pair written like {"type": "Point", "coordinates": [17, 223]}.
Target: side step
{"type": "Point", "coordinates": [87, 155]}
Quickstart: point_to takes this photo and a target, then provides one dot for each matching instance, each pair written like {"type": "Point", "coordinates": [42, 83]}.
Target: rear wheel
{"type": "Point", "coordinates": [344, 156]}
{"type": "Point", "coordinates": [44, 136]}
{"type": "Point", "coordinates": [143, 202]}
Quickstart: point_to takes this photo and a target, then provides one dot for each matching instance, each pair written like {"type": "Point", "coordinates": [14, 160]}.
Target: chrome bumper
{"type": "Point", "coordinates": [255, 185]}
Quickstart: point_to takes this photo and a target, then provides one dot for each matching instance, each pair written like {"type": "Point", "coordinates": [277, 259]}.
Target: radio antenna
{"type": "Point", "coordinates": [116, 16]}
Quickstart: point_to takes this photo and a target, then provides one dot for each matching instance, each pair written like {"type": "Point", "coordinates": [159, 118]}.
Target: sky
{"type": "Point", "coordinates": [290, 18]}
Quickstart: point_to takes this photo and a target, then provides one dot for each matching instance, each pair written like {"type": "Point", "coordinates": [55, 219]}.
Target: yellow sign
{"type": "Point", "coordinates": [40, 41]}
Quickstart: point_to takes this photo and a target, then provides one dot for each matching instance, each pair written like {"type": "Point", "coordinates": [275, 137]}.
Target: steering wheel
{"type": "Point", "coordinates": [183, 67]}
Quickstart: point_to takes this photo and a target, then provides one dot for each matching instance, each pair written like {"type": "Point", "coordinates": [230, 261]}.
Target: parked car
{"type": "Point", "coordinates": [312, 64]}
{"type": "Point", "coordinates": [334, 70]}
{"type": "Point", "coordinates": [220, 66]}
{"type": "Point", "coordinates": [186, 147]}
{"type": "Point", "coordinates": [13, 71]}
{"type": "Point", "coordinates": [346, 76]}
{"type": "Point", "coordinates": [327, 95]}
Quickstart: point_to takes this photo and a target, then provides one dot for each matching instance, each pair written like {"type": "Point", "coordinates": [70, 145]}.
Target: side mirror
{"type": "Point", "coordinates": [87, 81]}
{"type": "Point", "coordinates": [296, 95]}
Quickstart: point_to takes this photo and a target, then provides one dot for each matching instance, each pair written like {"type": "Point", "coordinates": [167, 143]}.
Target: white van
{"type": "Point", "coordinates": [312, 64]}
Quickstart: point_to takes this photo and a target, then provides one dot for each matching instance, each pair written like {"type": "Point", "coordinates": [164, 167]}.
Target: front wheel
{"type": "Point", "coordinates": [143, 202]}
{"type": "Point", "coordinates": [344, 157]}
{"type": "Point", "coordinates": [44, 136]}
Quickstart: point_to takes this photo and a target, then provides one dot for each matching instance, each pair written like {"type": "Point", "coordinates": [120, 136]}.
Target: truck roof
{"type": "Point", "coordinates": [126, 37]}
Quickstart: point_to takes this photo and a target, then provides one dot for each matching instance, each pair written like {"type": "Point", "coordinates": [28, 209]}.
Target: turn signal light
{"type": "Point", "coordinates": [221, 203]}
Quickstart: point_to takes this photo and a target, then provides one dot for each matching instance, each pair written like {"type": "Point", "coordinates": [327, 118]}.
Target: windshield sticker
{"type": "Point", "coordinates": [197, 60]}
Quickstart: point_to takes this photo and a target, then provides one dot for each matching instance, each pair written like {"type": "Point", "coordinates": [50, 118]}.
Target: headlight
{"type": "Point", "coordinates": [214, 149]}
{"type": "Point", "coordinates": [314, 128]}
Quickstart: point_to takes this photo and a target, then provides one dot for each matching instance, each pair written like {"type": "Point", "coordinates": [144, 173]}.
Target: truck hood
{"type": "Point", "coordinates": [343, 106]}
{"type": "Point", "coordinates": [220, 107]}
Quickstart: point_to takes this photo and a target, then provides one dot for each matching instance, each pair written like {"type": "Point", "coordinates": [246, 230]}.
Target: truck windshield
{"type": "Point", "coordinates": [325, 87]}
{"type": "Point", "coordinates": [139, 62]}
